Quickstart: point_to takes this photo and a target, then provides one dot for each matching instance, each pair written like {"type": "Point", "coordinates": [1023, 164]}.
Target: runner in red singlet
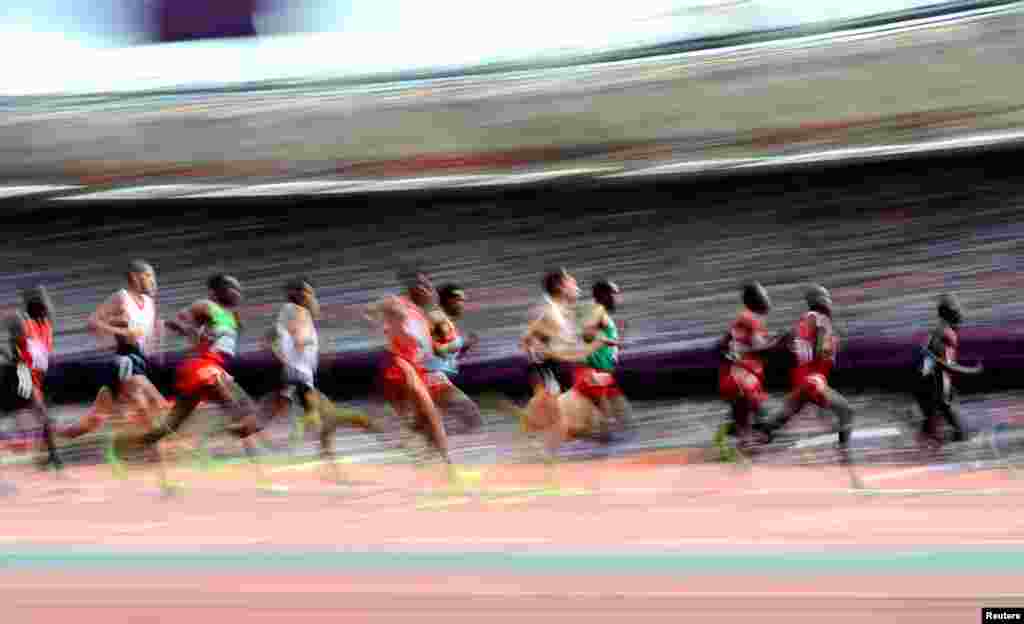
{"type": "Point", "coordinates": [403, 381]}
{"type": "Point", "coordinates": [31, 345]}
{"type": "Point", "coordinates": [815, 346]}
{"type": "Point", "coordinates": [741, 377]}
{"type": "Point", "coordinates": [214, 326]}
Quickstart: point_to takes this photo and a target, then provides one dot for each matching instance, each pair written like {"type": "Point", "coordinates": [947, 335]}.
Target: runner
{"type": "Point", "coordinates": [935, 392]}
{"type": "Point", "coordinates": [551, 326]}
{"type": "Point", "coordinates": [596, 378]}
{"type": "Point", "coordinates": [403, 378]}
{"type": "Point", "coordinates": [129, 316]}
{"type": "Point", "coordinates": [214, 325]}
{"type": "Point", "coordinates": [31, 350]}
{"type": "Point", "coordinates": [741, 376]}
{"type": "Point", "coordinates": [815, 346]}
{"type": "Point", "coordinates": [296, 346]}
{"type": "Point", "coordinates": [551, 340]}
{"type": "Point", "coordinates": [443, 364]}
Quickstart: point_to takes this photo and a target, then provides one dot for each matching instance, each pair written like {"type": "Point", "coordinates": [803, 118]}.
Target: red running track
{"type": "Point", "coordinates": [617, 506]}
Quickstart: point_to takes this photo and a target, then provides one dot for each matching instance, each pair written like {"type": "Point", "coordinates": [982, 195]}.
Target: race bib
{"type": "Point", "coordinates": [803, 350]}
{"type": "Point", "coordinates": [817, 382]}
{"type": "Point", "coordinates": [40, 355]}
{"type": "Point", "coordinates": [744, 378]}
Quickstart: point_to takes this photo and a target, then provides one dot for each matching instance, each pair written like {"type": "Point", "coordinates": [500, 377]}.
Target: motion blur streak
{"type": "Point", "coordinates": [668, 152]}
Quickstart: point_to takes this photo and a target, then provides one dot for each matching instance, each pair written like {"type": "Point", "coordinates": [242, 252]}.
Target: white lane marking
{"type": "Point", "coordinates": [16, 191]}
{"type": "Point", "coordinates": [275, 189]}
{"type": "Point", "coordinates": [154, 191]}
{"type": "Point", "coordinates": [863, 434]}
{"type": "Point", "coordinates": [951, 144]}
{"type": "Point", "coordinates": [423, 182]}
{"type": "Point", "coordinates": [691, 165]}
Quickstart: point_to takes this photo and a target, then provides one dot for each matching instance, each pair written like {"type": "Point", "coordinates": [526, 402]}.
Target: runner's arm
{"type": "Point", "coordinates": [539, 330]}
{"type": "Point", "coordinates": [937, 344]}
{"type": "Point", "coordinates": [19, 346]}
{"type": "Point", "coordinates": [437, 320]}
{"type": "Point", "coordinates": [595, 322]}
{"type": "Point", "coordinates": [823, 340]}
{"type": "Point", "coordinates": [937, 349]}
{"type": "Point", "coordinates": [374, 312]}
{"type": "Point", "coordinates": [101, 321]}
{"type": "Point", "coordinates": [956, 367]}
{"type": "Point", "coordinates": [186, 323]}
{"type": "Point", "coordinates": [15, 334]}
{"type": "Point", "coordinates": [288, 325]}
{"type": "Point", "coordinates": [578, 355]}
{"type": "Point", "coordinates": [291, 322]}
{"type": "Point", "coordinates": [767, 343]}
{"type": "Point", "coordinates": [384, 311]}
{"type": "Point", "coordinates": [471, 341]}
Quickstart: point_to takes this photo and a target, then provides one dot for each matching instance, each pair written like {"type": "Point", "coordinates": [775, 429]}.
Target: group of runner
{"type": "Point", "coordinates": [814, 345]}
{"type": "Point", "coordinates": [425, 345]}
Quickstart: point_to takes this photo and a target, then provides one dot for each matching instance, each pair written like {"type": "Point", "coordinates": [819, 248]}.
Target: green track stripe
{"type": "Point", "coordinates": [923, 562]}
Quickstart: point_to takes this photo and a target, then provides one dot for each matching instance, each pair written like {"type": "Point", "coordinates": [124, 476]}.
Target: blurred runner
{"type": "Point", "coordinates": [295, 344]}
{"type": "Point", "coordinates": [214, 326]}
{"type": "Point", "coordinates": [551, 326]}
{"type": "Point", "coordinates": [551, 340]}
{"type": "Point", "coordinates": [443, 364]}
{"type": "Point", "coordinates": [595, 379]}
{"type": "Point", "coordinates": [815, 345]}
{"type": "Point", "coordinates": [403, 380]}
{"type": "Point", "coordinates": [935, 393]}
{"type": "Point", "coordinates": [130, 317]}
{"type": "Point", "coordinates": [31, 350]}
{"type": "Point", "coordinates": [741, 376]}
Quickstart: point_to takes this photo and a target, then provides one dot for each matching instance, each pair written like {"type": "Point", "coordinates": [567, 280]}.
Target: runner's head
{"type": "Point", "coordinates": [37, 303]}
{"type": "Point", "coordinates": [819, 300]}
{"type": "Point", "coordinates": [225, 290]}
{"type": "Point", "coordinates": [141, 277]}
{"type": "Point", "coordinates": [416, 282]}
{"type": "Point", "coordinates": [756, 299]}
{"type": "Point", "coordinates": [452, 300]}
{"type": "Point", "coordinates": [301, 292]}
{"type": "Point", "coordinates": [562, 286]}
{"type": "Point", "coordinates": [950, 310]}
{"type": "Point", "coordinates": [606, 293]}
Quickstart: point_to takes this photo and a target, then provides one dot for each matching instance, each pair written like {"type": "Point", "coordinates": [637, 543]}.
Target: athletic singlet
{"type": "Point", "coordinates": [412, 342]}
{"type": "Point", "coordinates": [139, 317]}
{"type": "Point", "coordinates": [34, 345]}
{"type": "Point", "coordinates": [809, 362]}
{"type": "Point", "coordinates": [566, 335]}
{"type": "Point", "coordinates": [448, 364]}
{"type": "Point", "coordinates": [743, 334]}
{"type": "Point", "coordinates": [221, 331]}
{"type": "Point", "coordinates": [607, 356]}
{"type": "Point", "coordinates": [944, 341]}
{"type": "Point", "coordinates": [303, 358]}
